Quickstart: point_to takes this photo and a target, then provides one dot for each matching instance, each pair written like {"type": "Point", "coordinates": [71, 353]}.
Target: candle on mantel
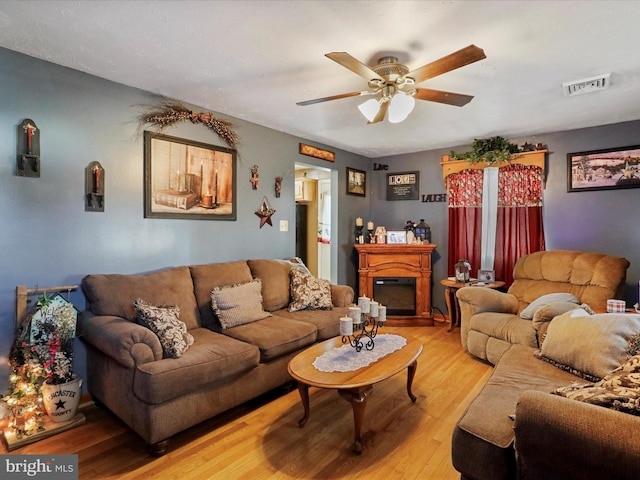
{"type": "Point", "coordinates": [369, 225]}
{"type": "Point", "coordinates": [346, 326]}
{"type": "Point", "coordinates": [359, 222]}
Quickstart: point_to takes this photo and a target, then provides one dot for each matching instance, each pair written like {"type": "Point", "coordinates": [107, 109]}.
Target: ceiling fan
{"type": "Point", "coordinates": [394, 85]}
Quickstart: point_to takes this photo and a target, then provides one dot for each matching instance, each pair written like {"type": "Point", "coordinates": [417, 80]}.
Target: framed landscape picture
{"type": "Point", "coordinates": [187, 179]}
{"type": "Point", "coordinates": [356, 182]}
{"type": "Point", "coordinates": [605, 169]}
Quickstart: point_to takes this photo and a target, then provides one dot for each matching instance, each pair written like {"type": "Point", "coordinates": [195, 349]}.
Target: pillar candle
{"type": "Point", "coordinates": [382, 313]}
{"type": "Point", "coordinates": [369, 225]}
{"type": "Point", "coordinates": [364, 303]}
{"type": "Point", "coordinates": [374, 308]}
{"type": "Point", "coordinates": [354, 314]}
{"type": "Point", "coordinates": [359, 222]}
{"type": "Point", "coordinates": [346, 326]}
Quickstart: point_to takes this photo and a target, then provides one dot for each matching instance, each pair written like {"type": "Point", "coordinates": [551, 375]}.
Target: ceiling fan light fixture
{"type": "Point", "coordinates": [400, 108]}
{"type": "Point", "coordinates": [369, 109]}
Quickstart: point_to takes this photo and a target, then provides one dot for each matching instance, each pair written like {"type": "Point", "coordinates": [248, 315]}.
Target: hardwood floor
{"type": "Point", "coordinates": [261, 440]}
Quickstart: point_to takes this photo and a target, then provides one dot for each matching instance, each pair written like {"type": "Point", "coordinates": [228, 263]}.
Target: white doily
{"type": "Point", "coordinates": [346, 359]}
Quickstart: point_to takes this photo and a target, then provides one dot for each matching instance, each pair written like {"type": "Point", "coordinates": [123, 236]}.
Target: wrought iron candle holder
{"type": "Point", "coordinates": [361, 326]}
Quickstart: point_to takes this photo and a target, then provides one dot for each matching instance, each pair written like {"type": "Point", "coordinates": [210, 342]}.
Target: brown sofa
{"type": "Point", "coordinates": [515, 427]}
{"type": "Point", "coordinates": [158, 397]}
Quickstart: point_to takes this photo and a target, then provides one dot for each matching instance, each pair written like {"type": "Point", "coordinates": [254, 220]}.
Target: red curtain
{"type": "Point", "coordinates": [519, 218]}
{"type": "Point", "coordinates": [465, 218]}
{"type": "Point", "coordinates": [519, 225]}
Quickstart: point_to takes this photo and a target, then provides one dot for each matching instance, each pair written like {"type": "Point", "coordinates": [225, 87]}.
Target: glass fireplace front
{"type": "Point", "coordinates": [397, 293]}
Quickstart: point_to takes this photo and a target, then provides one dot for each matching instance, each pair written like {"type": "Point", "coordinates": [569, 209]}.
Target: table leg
{"type": "Point", "coordinates": [304, 396]}
{"type": "Point", "coordinates": [357, 397]}
{"type": "Point", "coordinates": [411, 372]}
{"type": "Point", "coordinates": [450, 300]}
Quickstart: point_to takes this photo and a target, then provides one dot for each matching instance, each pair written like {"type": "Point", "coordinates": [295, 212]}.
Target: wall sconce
{"type": "Point", "coordinates": [94, 187]}
{"type": "Point", "coordinates": [28, 149]}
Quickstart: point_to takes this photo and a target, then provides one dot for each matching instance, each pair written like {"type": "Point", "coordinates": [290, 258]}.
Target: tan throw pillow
{"type": "Point", "coordinates": [164, 321]}
{"type": "Point", "coordinates": [590, 346]}
{"type": "Point", "coordinates": [531, 309]}
{"type": "Point", "coordinates": [309, 292]}
{"type": "Point", "coordinates": [620, 390]}
{"type": "Point", "coordinates": [238, 304]}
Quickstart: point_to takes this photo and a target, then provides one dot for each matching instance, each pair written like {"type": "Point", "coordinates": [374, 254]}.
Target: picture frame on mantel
{"type": "Point", "coordinates": [356, 182]}
{"type": "Point", "coordinates": [606, 169]}
{"type": "Point", "coordinates": [184, 179]}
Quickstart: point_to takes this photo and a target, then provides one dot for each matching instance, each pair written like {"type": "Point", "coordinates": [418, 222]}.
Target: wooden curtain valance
{"type": "Point", "coordinates": [536, 158]}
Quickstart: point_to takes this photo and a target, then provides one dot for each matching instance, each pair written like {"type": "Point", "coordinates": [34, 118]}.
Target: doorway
{"type": "Point", "coordinates": [315, 215]}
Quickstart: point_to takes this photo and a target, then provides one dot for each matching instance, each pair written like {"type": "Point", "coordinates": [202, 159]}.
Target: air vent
{"type": "Point", "coordinates": [587, 85]}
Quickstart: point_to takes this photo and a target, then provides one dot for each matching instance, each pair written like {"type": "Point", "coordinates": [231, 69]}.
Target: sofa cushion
{"type": "Point", "coordinates": [309, 292]}
{"type": "Point", "coordinates": [590, 346]}
{"type": "Point", "coordinates": [487, 417]}
{"type": "Point", "coordinates": [275, 336]}
{"type": "Point", "coordinates": [327, 323]}
{"type": "Point", "coordinates": [505, 326]}
{"type": "Point", "coordinates": [113, 294]}
{"type": "Point", "coordinates": [275, 282]}
{"type": "Point", "coordinates": [208, 277]}
{"type": "Point", "coordinates": [212, 358]}
{"type": "Point", "coordinates": [238, 304]}
{"type": "Point", "coordinates": [164, 321]}
{"type": "Point", "coordinates": [547, 299]}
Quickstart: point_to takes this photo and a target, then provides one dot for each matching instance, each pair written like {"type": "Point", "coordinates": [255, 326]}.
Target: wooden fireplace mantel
{"type": "Point", "coordinates": [398, 260]}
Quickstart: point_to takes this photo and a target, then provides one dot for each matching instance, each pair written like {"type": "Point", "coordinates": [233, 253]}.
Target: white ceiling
{"type": "Point", "coordinates": [255, 59]}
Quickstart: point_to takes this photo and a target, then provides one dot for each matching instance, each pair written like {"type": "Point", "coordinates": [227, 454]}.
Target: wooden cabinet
{"type": "Point", "coordinates": [305, 190]}
{"type": "Point", "coordinates": [387, 260]}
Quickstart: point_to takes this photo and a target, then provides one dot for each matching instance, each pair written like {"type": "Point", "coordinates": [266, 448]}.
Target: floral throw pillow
{"type": "Point", "coordinates": [163, 320]}
{"type": "Point", "coordinates": [309, 292]}
{"type": "Point", "coordinates": [620, 390]}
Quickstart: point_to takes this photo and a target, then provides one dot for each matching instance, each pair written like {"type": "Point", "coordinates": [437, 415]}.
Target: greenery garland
{"type": "Point", "coordinates": [169, 112]}
{"type": "Point", "coordinates": [490, 150]}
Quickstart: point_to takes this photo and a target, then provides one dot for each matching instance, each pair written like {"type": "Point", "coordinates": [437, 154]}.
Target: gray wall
{"type": "Point", "coordinates": [46, 237]}
{"type": "Point", "coordinates": [604, 221]}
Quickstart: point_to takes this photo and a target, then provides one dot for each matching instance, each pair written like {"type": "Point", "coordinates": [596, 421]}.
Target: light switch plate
{"type": "Point", "coordinates": [284, 225]}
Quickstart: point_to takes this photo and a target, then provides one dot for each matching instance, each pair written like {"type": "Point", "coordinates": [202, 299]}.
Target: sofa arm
{"type": "Point", "coordinates": [342, 295]}
{"type": "Point", "coordinates": [473, 300]}
{"type": "Point", "coordinates": [126, 342]}
{"type": "Point", "coordinates": [559, 438]}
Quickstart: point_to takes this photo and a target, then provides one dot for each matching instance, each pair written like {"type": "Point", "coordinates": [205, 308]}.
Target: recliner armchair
{"type": "Point", "coordinates": [490, 320]}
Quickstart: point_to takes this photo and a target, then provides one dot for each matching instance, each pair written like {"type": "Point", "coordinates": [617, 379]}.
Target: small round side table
{"type": "Point", "coordinates": [452, 301]}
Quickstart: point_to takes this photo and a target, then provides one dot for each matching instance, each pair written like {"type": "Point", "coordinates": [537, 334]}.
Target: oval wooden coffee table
{"type": "Point", "coordinates": [353, 386]}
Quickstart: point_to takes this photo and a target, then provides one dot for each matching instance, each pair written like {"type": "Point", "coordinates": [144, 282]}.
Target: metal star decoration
{"type": "Point", "coordinates": [264, 212]}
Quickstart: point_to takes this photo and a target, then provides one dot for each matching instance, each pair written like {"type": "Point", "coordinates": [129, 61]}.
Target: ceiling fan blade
{"type": "Point", "coordinates": [384, 106]}
{"type": "Point", "coordinates": [333, 97]}
{"type": "Point", "coordinates": [457, 99]}
{"type": "Point", "coordinates": [353, 64]}
{"type": "Point", "coordinates": [455, 60]}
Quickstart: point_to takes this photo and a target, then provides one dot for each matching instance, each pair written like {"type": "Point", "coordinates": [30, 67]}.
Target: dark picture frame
{"type": "Point", "coordinates": [403, 186]}
{"type": "Point", "coordinates": [185, 179]}
{"type": "Point", "coordinates": [606, 169]}
{"type": "Point", "coordinates": [356, 182]}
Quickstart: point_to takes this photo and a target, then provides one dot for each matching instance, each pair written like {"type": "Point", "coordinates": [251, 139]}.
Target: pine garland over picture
{"type": "Point", "coordinates": [170, 112]}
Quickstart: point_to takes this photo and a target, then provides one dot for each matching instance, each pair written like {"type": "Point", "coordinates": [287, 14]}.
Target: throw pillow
{"type": "Point", "coordinates": [164, 321]}
{"type": "Point", "coordinates": [619, 390]}
{"type": "Point", "coordinates": [309, 292]}
{"type": "Point", "coordinates": [531, 309]}
{"type": "Point", "coordinates": [238, 304]}
{"type": "Point", "coordinates": [589, 346]}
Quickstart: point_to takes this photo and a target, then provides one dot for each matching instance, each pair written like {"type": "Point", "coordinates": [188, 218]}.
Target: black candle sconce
{"type": "Point", "coordinates": [28, 149]}
{"type": "Point", "coordinates": [94, 187]}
